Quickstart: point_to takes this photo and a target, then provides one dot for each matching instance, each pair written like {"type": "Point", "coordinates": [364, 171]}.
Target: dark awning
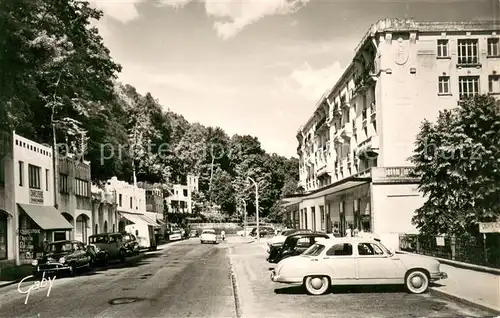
{"type": "Point", "coordinates": [47, 217]}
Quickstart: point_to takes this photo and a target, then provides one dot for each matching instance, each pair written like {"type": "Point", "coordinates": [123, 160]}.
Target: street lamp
{"type": "Point", "coordinates": [256, 206]}
{"type": "Point", "coordinates": [244, 216]}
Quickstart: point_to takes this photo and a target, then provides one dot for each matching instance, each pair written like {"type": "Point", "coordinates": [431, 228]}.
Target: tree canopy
{"type": "Point", "coordinates": [458, 160]}
{"type": "Point", "coordinates": [56, 70]}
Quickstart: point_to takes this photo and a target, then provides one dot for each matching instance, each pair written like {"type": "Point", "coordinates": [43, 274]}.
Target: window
{"type": "Point", "coordinates": [444, 85]}
{"type": "Point", "coordinates": [494, 84]}
{"type": "Point", "coordinates": [468, 51]}
{"type": "Point", "coordinates": [34, 177]}
{"type": "Point", "coordinates": [304, 242]}
{"type": "Point", "coordinates": [63, 183]}
{"type": "Point", "coordinates": [493, 47]}
{"type": "Point", "coordinates": [340, 250]}
{"type": "Point", "coordinates": [21, 173]}
{"type": "Point", "coordinates": [314, 250]}
{"type": "Point", "coordinates": [442, 48]}
{"type": "Point", "coordinates": [131, 203]}
{"type": "Point", "coordinates": [468, 86]}
{"type": "Point", "coordinates": [322, 215]}
{"type": "Point", "coordinates": [46, 179]}
{"type": "Point", "coordinates": [369, 249]}
{"type": "Point", "coordinates": [185, 192]}
{"type": "Point", "coordinates": [81, 188]}
{"type": "Point", "coordinates": [120, 199]}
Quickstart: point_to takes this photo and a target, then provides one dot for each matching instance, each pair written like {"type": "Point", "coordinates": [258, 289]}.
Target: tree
{"type": "Point", "coordinates": [457, 161]}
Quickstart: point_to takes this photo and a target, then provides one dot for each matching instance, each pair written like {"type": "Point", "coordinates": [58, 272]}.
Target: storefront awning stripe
{"type": "Point", "coordinates": [47, 217]}
{"type": "Point", "coordinates": [138, 218]}
{"type": "Point", "coordinates": [148, 220]}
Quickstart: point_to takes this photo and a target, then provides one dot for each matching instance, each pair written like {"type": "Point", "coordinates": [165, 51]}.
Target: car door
{"type": "Point", "coordinates": [76, 254]}
{"type": "Point", "coordinates": [375, 265]}
{"type": "Point", "coordinates": [341, 263]}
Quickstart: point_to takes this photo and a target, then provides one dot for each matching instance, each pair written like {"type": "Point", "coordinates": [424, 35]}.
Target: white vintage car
{"type": "Point", "coordinates": [356, 261]}
{"type": "Point", "coordinates": [208, 235]}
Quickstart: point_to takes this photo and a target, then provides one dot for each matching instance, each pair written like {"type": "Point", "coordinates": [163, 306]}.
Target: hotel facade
{"type": "Point", "coordinates": [354, 149]}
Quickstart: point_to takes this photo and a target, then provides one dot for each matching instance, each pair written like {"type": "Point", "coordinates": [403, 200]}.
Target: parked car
{"type": "Point", "coordinates": [112, 246]}
{"type": "Point", "coordinates": [244, 233]}
{"type": "Point", "coordinates": [277, 242]}
{"type": "Point", "coordinates": [63, 256]}
{"type": "Point", "coordinates": [130, 243]}
{"type": "Point", "coordinates": [356, 261]}
{"type": "Point", "coordinates": [175, 234]}
{"type": "Point", "coordinates": [263, 231]}
{"type": "Point", "coordinates": [208, 235]}
{"type": "Point", "coordinates": [295, 244]}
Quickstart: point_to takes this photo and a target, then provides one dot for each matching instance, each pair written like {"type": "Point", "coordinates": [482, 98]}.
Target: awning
{"type": "Point", "coordinates": [161, 222]}
{"type": "Point", "coordinates": [47, 217]}
{"type": "Point", "coordinates": [137, 218]}
{"type": "Point", "coordinates": [149, 220]}
{"type": "Point", "coordinates": [344, 184]}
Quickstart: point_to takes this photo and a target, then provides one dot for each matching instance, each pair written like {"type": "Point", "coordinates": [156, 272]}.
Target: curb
{"type": "Point", "coordinates": [10, 283]}
{"type": "Point", "coordinates": [477, 268]}
{"type": "Point", "coordinates": [465, 301]}
{"type": "Point", "coordinates": [234, 284]}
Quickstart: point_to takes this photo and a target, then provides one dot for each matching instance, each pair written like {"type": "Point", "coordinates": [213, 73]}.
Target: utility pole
{"type": "Point", "coordinates": [256, 206]}
{"type": "Point", "coordinates": [244, 216]}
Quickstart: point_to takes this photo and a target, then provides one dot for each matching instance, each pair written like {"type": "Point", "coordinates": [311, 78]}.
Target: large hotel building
{"type": "Point", "coordinates": [354, 149]}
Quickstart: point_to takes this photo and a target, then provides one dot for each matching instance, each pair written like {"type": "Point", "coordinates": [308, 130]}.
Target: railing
{"type": "Point", "coordinates": [464, 248]}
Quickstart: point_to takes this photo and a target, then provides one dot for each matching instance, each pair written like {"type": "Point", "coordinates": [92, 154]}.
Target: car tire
{"type": "Point", "coordinates": [316, 285]}
{"type": "Point", "coordinates": [417, 281]}
{"type": "Point", "coordinates": [202, 242]}
{"type": "Point", "coordinates": [72, 270]}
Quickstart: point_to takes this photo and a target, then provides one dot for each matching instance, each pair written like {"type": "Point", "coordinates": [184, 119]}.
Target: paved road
{"type": "Point", "coordinates": [185, 279]}
{"type": "Point", "coordinates": [260, 297]}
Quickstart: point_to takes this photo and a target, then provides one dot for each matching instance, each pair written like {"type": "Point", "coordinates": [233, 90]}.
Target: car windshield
{"type": "Point", "coordinates": [98, 239]}
{"type": "Point", "coordinates": [60, 247]}
{"type": "Point", "coordinates": [208, 232]}
{"type": "Point", "coordinates": [314, 250]}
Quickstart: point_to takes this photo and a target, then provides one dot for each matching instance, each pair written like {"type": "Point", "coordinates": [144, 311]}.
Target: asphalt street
{"type": "Point", "coordinates": [188, 279]}
{"type": "Point", "coordinates": [260, 297]}
{"type": "Point", "coordinates": [184, 279]}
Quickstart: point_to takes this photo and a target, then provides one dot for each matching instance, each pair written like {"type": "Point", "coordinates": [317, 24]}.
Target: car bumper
{"type": "Point", "coordinates": [52, 268]}
{"type": "Point", "coordinates": [438, 276]}
{"type": "Point", "coordinates": [286, 280]}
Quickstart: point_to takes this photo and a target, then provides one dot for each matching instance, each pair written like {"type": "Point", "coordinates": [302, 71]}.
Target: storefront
{"type": "Point", "coordinates": [38, 223]}
{"type": "Point", "coordinates": [3, 235]}
{"type": "Point", "coordinates": [141, 226]}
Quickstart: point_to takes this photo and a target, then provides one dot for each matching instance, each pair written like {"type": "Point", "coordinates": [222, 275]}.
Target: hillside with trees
{"type": "Point", "coordinates": [59, 83]}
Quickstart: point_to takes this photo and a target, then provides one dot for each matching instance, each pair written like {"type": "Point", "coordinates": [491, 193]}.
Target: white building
{"type": "Point", "coordinates": [28, 216]}
{"type": "Point", "coordinates": [104, 215]}
{"type": "Point", "coordinates": [354, 149]}
{"type": "Point", "coordinates": [180, 200]}
{"type": "Point", "coordinates": [131, 208]}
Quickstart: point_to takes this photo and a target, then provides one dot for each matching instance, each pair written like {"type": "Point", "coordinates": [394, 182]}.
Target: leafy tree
{"type": "Point", "coordinates": [457, 160]}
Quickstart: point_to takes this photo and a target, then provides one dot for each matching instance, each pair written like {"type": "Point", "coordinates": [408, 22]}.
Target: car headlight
{"type": "Point", "coordinates": [34, 262]}
{"type": "Point", "coordinates": [62, 260]}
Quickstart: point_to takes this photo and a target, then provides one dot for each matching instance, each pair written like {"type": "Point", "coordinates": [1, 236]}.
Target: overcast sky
{"type": "Point", "coordinates": [253, 67]}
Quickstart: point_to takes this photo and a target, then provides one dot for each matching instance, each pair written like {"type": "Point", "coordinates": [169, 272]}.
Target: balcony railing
{"type": "Point", "coordinates": [389, 174]}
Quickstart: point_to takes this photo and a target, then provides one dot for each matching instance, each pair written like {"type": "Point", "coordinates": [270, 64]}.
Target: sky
{"type": "Point", "coordinates": [254, 67]}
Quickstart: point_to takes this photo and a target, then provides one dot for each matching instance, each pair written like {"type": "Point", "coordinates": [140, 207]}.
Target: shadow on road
{"type": "Point", "coordinates": [294, 290]}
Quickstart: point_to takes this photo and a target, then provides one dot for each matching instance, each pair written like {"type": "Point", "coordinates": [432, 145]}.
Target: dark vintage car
{"type": "Point", "coordinates": [112, 246]}
{"type": "Point", "coordinates": [63, 256]}
{"type": "Point", "coordinates": [296, 244]}
{"type": "Point", "coordinates": [263, 231]}
{"type": "Point", "coordinates": [277, 241]}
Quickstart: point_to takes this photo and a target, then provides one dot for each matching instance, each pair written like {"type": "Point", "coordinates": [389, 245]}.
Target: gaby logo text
{"type": "Point", "coordinates": [43, 283]}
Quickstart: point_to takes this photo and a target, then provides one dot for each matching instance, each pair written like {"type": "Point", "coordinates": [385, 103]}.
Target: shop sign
{"type": "Point", "coordinates": [36, 196]}
{"type": "Point", "coordinates": [28, 231]}
{"type": "Point", "coordinates": [491, 227]}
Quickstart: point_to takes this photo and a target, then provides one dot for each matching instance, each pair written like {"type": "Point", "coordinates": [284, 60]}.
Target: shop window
{"type": "Point", "coordinates": [34, 176]}
{"type": "Point", "coordinates": [313, 217]}
{"type": "Point", "coordinates": [3, 236]}
{"type": "Point", "coordinates": [322, 216]}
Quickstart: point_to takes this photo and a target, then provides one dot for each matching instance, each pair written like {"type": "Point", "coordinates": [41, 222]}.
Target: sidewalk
{"type": "Point", "coordinates": [12, 275]}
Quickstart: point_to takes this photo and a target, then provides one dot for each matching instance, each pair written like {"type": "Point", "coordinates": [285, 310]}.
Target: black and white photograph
{"type": "Point", "coordinates": [249, 158]}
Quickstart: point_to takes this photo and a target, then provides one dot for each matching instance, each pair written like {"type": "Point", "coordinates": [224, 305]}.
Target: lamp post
{"type": "Point", "coordinates": [244, 216]}
{"type": "Point", "coordinates": [256, 206]}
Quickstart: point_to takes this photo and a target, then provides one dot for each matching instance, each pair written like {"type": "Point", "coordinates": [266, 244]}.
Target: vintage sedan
{"type": "Point", "coordinates": [63, 256]}
{"type": "Point", "coordinates": [294, 245]}
{"type": "Point", "coordinates": [208, 235]}
{"type": "Point", "coordinates": [356, 261]}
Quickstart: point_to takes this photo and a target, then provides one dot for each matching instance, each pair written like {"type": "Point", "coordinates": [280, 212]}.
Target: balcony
{"type": "Point", "coordinates": [344, 102]}
{"type": "Point", "coordinates": [346, 131]}
{"type": "Point", "coordinates": [365, 79]}
{"type": "Point", "coordinates": [321, 124]}
{"type": "Point", "coordinates": [369, 147]}
{"type": "Point", "coordinates": [338, 140]}
{"type": "Point", "coordinates": [389, 174]}
{"type": "Point", "coordinates": [373, 112]}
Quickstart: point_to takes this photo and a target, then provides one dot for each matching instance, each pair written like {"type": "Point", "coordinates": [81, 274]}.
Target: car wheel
{"type": "Point", "coordinates": [122, 256]}
{"type": "Point", "coordinates": [202, 242]}
{"type": "Point", "coordinates": [72, 270]}
{"type": "Point", "coordinates": [417, 282]}
{"type": "Point", "coordinates": [317, 285]}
